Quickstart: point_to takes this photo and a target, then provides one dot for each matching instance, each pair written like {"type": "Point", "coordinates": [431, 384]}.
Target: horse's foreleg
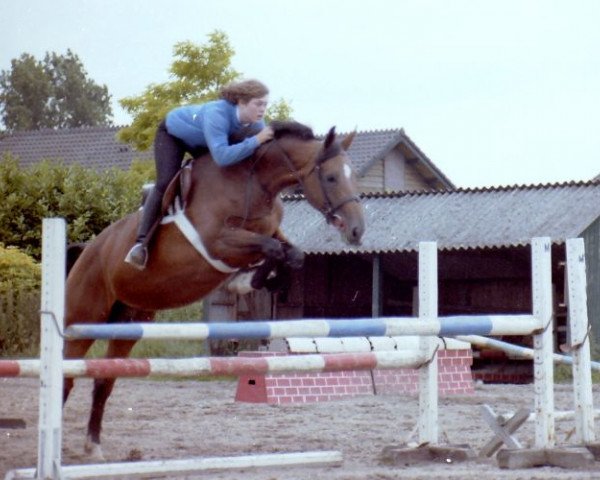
{"type": "Point", "coordinates": [262, 272]}
{"type": "Point", "coordinates": [294, 257]}
{"type": "Point", "coordinates": [277, 251]}
{"type": "Point", "coordinates": [102, 390]}
{"type": "Point", "coordinates": [238, 242]}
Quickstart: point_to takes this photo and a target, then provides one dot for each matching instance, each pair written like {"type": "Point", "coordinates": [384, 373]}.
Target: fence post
{"type": "Point", "coordinates": [579, 340]}
{"type": "Point", "coordinates": [428, 374]}
{"type": "Point", "coordinates": [543, 365]}
{"type": "Point", "coordinates": [51, 348]}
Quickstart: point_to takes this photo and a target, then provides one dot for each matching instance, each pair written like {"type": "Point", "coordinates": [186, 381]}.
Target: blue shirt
{"type": "Point", "coordinates": [209, 125]}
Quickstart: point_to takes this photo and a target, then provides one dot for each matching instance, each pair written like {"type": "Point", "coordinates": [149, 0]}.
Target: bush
{"type": "Point", "coordinates": [20, 278]}
{"type": "Point", "coordinates": [88, 200]}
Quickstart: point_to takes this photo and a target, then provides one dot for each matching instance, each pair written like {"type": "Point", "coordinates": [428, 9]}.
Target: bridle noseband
{"type": "Point", "coordinates": [328, 209]}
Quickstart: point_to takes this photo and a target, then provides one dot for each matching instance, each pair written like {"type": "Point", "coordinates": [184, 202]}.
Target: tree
{"type": "Point", "coordinates": [53, 93]}
{"type": "Point", "coordinates": [198, 72]}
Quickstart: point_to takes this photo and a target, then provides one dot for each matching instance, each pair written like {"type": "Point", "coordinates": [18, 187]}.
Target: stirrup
{"type": "Point", "coordinates": [138, 256]}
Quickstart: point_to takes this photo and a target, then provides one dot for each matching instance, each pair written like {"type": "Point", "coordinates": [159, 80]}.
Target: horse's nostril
{"type": "Point", "coordinates": [356, 234]}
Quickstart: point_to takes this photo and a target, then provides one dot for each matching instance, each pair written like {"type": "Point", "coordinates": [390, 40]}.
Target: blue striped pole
{"type": "Point", "coordinates": [375, 327]}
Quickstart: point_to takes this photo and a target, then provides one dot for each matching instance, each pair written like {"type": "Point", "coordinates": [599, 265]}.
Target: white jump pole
{"type": "Point", "coordinates": [51, 348]}
{"type": "Point", "coordinates": [428, 373]}
{"type": "Point", "coordinates": [579, 341]}
{"type": "Point", "coordinates": [543, 365]}
{"type": "Point", "coordinates": [517, 351]}
{"type": "Point", "coordinates": [186, 466]}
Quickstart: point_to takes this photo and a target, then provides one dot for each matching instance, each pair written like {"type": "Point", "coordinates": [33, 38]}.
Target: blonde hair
{"type": "Point", "coordinates": [244, 91]}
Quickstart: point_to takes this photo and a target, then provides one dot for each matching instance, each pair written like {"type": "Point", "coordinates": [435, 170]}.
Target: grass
{"type": "Point", "coordinates": [168, 348]}
{"type": "Point", "coordinates": [564, 374]}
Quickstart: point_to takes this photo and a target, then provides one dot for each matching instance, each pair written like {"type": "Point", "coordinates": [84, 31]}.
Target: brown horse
{"type": "Point", "coordinates": [237, 212]}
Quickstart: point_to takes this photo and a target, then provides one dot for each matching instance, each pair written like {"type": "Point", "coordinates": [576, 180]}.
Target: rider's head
{"type": "Point", "coordinates": [251, 97]}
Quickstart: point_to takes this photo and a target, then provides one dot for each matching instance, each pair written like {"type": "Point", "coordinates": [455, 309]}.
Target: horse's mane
{"type": "Point", "coordinates": [292, 128]}
{"type": "Point", "coordinates": [331, 149]}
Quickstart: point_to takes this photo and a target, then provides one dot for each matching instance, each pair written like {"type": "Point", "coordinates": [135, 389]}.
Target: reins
{"type": "Point", "coordinates": [249, 185]}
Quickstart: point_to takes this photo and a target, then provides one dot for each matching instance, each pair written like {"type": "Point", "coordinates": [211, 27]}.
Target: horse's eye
{"type": "Point", "coordinates": [331, 178]}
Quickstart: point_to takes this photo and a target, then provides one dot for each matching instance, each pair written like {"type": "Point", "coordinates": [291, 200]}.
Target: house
{"type": "Point", "coordinates": [389, 161]}
{"type": "Point", "coordinates": [384, 160]}
{"type": "Point", "coordinates": [93, 147]}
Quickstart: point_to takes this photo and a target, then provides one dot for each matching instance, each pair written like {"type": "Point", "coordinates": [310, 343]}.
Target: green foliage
{"type": "Point", "coordinates": [23, 94]}
{"type": "Point", "coordinates": [18, 271]}
{"type": "Point", "coordinates": [199, 72]}
{"type": "Point", "coordinates": [280, 110]}
{"type": "Point", "coordinates": [53, 93]}
{"type": "Point", "coordinates": [88, 200]}
{"type": "Point", "coordinates": [19, 303]}
{"type": "Point", "coordinates": [76, 100]}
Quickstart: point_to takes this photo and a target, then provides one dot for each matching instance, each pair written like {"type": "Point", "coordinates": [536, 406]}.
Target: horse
{"type": "Point", "coordinates": [235, 212]}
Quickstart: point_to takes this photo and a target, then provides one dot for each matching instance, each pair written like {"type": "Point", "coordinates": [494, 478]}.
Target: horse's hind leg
{"type": "Point", "coordinates": [102, 389]}
{"type": "Point", "coordinates": [74, 349]}
{"type": "Point", "coordinates": [104, 386]}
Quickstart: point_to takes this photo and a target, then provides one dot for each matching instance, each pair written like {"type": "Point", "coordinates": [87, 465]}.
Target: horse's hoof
{"type": "Point", "coordinates": [257, 282]}
{"type": "Point", "coordinates": [273, 249]}
{"type": "Point", "coordinates": [93, 450]}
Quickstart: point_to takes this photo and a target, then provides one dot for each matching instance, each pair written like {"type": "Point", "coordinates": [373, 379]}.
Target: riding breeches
{"type": "Point", "coordinates": [168, 155]}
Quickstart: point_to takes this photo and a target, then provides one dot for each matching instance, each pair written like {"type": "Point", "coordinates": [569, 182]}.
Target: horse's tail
{"type": "Point", "coordinates": [73, 252]}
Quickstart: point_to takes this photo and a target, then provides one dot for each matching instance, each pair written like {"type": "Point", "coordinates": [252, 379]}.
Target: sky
{"type": "Point", "coordinates": [494, 93]}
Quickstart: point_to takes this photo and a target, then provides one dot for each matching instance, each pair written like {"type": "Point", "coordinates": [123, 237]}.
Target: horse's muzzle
{"type": "Point", "coordinates": [351, 230]}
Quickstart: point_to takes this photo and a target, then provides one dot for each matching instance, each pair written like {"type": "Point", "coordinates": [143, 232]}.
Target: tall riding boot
{"type": "Point", "coordinates": [138, 255]}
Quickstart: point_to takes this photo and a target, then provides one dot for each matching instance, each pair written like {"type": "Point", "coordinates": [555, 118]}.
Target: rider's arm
{"type": "Point", "coordinates": [217, 139]}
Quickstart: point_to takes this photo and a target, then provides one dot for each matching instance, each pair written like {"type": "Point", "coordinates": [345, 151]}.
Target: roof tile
{"type": "Point", "coordinates": [460, 219]}
{"type": "Point", "coordinates": [95, 147]}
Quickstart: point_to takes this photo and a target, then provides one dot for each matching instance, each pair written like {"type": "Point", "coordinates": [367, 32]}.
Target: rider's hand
{"type": "Point", "coordinates": [264, 135]}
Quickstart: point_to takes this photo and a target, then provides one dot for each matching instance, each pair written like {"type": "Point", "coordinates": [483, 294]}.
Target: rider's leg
{"type": "Point", "coordinates": [168, 154]}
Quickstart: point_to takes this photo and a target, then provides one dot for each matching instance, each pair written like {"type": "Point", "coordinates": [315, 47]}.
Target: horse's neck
{"type": "Point", "coordinates": [237, 182]}
{"type": "Point", "coordinates": [284, 166]}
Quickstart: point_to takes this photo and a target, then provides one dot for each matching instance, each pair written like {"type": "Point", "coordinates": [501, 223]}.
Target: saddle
{"type": "Point", "coordinates": [180, 187]}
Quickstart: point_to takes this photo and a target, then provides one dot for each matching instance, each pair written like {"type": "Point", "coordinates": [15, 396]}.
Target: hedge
{"type": "Point", "coordinates": [87, 199]}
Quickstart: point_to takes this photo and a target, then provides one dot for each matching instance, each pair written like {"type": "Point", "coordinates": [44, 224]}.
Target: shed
{"type": "Point", "coordinates": [483, 237]}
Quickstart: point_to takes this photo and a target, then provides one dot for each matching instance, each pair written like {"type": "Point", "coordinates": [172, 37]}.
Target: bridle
{"type": "Point", "coordinates": [328, 209]}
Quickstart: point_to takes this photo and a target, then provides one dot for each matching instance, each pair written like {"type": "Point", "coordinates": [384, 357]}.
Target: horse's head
{"type": "Point", "coordinates": [330, 186]}
{"type": "Point", "coordinates": [324, 171]}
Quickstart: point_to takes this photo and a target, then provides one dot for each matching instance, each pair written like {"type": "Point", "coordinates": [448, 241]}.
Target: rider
{"type": "Point", "coordinates": [193, 127]}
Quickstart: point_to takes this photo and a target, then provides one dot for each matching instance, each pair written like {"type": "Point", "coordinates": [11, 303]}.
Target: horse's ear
{"type": "Point", "coordinates": [347, 141]}
{"type": "Point", "coordinates": [329, 138]}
